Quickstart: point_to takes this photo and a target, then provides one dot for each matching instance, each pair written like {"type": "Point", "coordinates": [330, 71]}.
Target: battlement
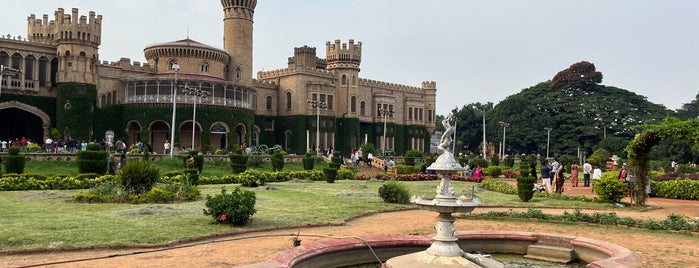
{"type": "Point", "coordinates": [429, 85]}
{"type": "Point", "coordinates": [387, 85]}
{"type": "Point", "coordinates": [70, 27]}
{"type": "Point", "coordinates": [239, 8]}
{"type": "Point", "coordinates": [343, 55]}
{"type": "Point", "coordinates": [126, 64]}
{"type": "Point", "coordinates": [29, 39]}
{"type": "Point", "coordinates": [248, 4]}
{"type": "Point", "coordinates": [292, 71]}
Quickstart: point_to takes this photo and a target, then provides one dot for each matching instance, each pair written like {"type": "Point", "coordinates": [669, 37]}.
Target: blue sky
{"type": "Point", "coordinates": [476, 51]}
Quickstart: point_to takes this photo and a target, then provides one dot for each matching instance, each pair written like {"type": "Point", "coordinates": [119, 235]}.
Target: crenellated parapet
{"type": "Point", "coordinates": [305, 56]}
{"type": "Point", "coordinates": [127, 64]}
{"type": "Point", "coordinates": [429, 85]}
{"type": "Point", "coordinates": [293, 71]}
{"type": "Point", "coordinates": [387, 85]}
{"type": "Point", "coordinates": [342, 55]}
{"type": "Point", "coordinates": [66, 28]}
{"type": "Point", "coordinates": [239, 8]}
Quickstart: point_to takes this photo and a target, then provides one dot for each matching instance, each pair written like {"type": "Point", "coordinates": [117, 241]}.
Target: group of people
{"type": "Point", "coordinates": [553, 174]}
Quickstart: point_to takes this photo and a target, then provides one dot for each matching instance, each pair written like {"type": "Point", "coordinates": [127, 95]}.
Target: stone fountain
{"type": "Point", "coordinates": [444, 251]}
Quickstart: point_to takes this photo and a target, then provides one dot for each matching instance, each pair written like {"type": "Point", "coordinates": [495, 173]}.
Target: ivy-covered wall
{"type": "Point", "coordinates": [206, 116]}
{"type": "Point", "coordinates": [75, 109]}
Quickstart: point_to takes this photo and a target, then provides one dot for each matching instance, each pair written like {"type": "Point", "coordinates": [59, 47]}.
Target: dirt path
{"type": "Point", "coordinates": [658, 249]}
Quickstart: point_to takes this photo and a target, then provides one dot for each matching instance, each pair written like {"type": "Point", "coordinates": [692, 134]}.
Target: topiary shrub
{"type": "Point", "coordinates": [330, 174]}
{"type": "Point", "coordinates": [394, 192]}
{"type": "Point", "coordinates": [238, 162]}
{"type": "Point", "coordinates": [138, 176]}
{"type": "Point", "coordinates": [277, 159]}
{"type": "Point", "coordinates": [14, 162]}
{"type": "Point", "coordinates": [309, 161]}
{"type": "Point", "coordinates": [92, 160]}
{"type": "Point", "coordinates": [525, 187]}
{"type": "Point", "coordinates": [235, 208]}
{"type": "Point", "coordinates": [609, 188]}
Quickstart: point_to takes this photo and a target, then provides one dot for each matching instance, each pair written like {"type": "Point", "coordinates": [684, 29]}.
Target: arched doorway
{"type": "Point", "coordinates": [159, 132]}
{"type": "Point", "coordinates": [240, 133]}
{"type": "Point", "coordinates": [186, 136]}
{"type": "Point", "coordinates": [23, 120]}
{"type": "Point", "coordinates": [133, 130]}
{"type": "Point", "coordinates": [219, 135]}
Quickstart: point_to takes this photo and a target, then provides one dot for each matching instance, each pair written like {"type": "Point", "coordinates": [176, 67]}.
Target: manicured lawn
{"type": "Point", "coordinates": [46, 219]}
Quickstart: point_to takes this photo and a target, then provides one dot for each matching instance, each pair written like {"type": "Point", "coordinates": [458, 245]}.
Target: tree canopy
{"type": "Point", "coordinates": [581, 76]}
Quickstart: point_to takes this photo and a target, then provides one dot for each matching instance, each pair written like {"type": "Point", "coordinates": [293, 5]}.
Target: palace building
{"type": "Point", "coordinates": [64, 90]}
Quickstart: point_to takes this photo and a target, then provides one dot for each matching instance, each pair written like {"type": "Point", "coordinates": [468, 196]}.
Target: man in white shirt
{"type": "Point", "coordinates": [587, 168]}
{"type": "Point", "coordinates": [4, 146]}
{"type": "Point", "coordinates": [49, 145]}
{"type": "Point", "coordinates": [596, 175]}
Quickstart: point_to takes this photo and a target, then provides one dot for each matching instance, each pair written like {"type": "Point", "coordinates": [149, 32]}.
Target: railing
{"type": "Point", "coordinates": [183, 99]}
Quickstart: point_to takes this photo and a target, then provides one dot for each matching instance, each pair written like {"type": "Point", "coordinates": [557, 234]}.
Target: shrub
{"type": "Point", "coordinates": [346, 173]}
{"type": "Point", "coordinates": [494, 160]}
{"type": "Point", "coordinates": [91, 160]}
{"type": "Point", "coordinates": [394, 192]}
{"type": "Point", "coordinates": [525, 187]}
{"type": "Point", "coordinates": [402, 169]}
{"type": "Point", "coordinates": [238, 162]}
{"type": "Point", "coordinates": [309, 160]}
{"type": "Point", "coordinates": [14, 162]}
{"type": "Point", "coordinates": [252, 178]}
{"type": "Point", "coordinates": [235, 208]}
{"type": "Point", "coordinates": [509, 162]}
{"type": "Point", "coordinates": [255, 160]}
{"type": "Point", "coordinates": [277, 161]}
{"type": "Point", "coordinates": [138, 176]}
{"type": "Point", "coordinates": [494, 171]}
{"type": "Point", "coordinates": [330, 174]}
{"type": "Point", "coordinates": [478, 161]}
{"type": "Point", "coordinates": [609, 188]}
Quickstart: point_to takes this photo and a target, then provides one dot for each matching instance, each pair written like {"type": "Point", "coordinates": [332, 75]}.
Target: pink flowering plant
{"type": "Point", "coordinates": [235, 208]}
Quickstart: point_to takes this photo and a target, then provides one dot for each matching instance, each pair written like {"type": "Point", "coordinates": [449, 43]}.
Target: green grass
{"type": "Point", "coordinates": [48, 219]}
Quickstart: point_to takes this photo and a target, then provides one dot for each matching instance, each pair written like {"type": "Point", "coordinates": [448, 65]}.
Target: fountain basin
{"type": "Point", "coordinates": [355, 251]}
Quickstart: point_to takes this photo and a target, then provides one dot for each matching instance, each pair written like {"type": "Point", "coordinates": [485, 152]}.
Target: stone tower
{"type": "Point", "coordinates": [343, 61]}
{"type": "Point", "coordinates": [77, 40]}
{"type": "Point", "coordinates": [237, 38]}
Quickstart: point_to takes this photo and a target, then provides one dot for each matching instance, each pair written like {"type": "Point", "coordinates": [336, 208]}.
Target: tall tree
{"type": "Point", "coordinates": [689, 110]}
{"type": "Point", "coordinates": [581, 76]}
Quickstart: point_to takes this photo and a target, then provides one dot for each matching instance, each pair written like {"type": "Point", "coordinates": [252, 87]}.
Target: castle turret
{"type": "Point", "coordinates": [77, 40]}
{"type": "Point", "coordinates": [237, 38]}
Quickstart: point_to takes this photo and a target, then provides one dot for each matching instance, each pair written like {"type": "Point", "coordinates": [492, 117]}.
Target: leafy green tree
{"type": "Point", "coordinates": [689, 110]}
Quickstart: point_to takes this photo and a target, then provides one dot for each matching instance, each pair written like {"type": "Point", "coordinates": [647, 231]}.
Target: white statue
{"type": "Point", "coordinates": [446, 139]}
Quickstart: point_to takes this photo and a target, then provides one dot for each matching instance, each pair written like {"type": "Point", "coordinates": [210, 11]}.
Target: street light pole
{"type": "Point", "coordinates": [484, 143]}
{"type": "Point", "coordinates": [548, 138]}
{"type": "Point", "coordinates": [317, 104]}
{"type": "Point", "coordinates": [7, 71]}
{"type": "Point", "coordinates": [385, 113]}
{"type": "Point", "coordinates": [504, 128]}
{"type": "Point", "coordinates": [176, 68]}
{"type": "Point", "coordinates": [197, 93]}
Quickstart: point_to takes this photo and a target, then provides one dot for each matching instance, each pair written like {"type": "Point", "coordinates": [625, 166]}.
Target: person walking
{"type": "Point", "coordinates": [574, 174]}
{"type": "Point", "coordinates": [560, 178]}
{"type": "Point", "coordinates": [166, 147]}
{"type": "Point", "coordinates": [111, 165]}
{"type": "Point", "coordinates": [546, 176]}
{"type": "Point", "coordinates": [587, 168]}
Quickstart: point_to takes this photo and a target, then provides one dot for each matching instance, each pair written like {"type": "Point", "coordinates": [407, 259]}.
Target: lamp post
{"type": "Point", "coordinates": [7, 71]}
{"type": "Point", "coordinates": [197, 93]}
{"type": "Point", "coordinates": [317, 104]}
{"type": "Point", "coordinates": [385, 113]}
{"type": "Point", "coordinates": [484, 143]}
{"type": "Point", "coordinates": [176, 68]}
{"type": "Point", "coordinates": [548, 138]}
{"type": "Point", "coordinates": [504, 127]}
